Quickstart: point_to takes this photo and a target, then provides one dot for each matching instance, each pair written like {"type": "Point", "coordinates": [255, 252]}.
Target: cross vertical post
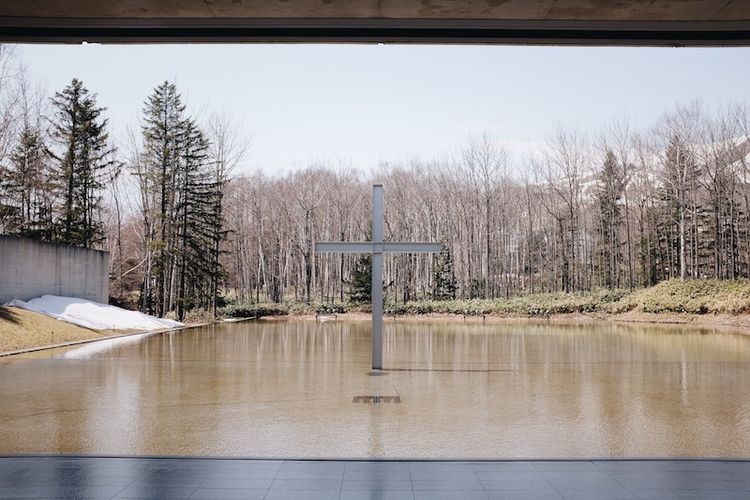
{"type": "Point", "coordinates": [377, 276]}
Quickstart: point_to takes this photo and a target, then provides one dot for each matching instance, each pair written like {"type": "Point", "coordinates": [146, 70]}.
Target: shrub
{"type": "Point", "coordinates": [255, 310]}
{"type": "Point", "coordinates": [696, 297]}
{"type": "Point", "coordinates": [295, 307]}
{"type": "Point", "coordinates": [330, 308]}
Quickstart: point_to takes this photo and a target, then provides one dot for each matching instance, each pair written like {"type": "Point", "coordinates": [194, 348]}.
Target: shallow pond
{"type": "Point", "coordinates": [286, 388]}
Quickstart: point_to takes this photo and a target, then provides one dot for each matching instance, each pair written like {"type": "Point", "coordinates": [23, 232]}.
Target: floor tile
{"type": "Point", "coordinates": [27, 492]}
{"type": "Point", "coordinates": [524, 495]}
{"type": "Point", "coordinates": [244, 465]}
{"type": "Point", "coordinates": [729, 495]}
{"type": "Point", "coordinates": [598, 494]}
{"type": "Point", "coordinates": [153, 481]}
{"type": "Point", "coordinates": [306, 484]}
{"type": "Point", "coordinates": [582, 480]}
{"type": "Point", "coordinates": [28, 479]}
{"type": "Point", "coordinates": [511, 475]}
{"type": "Point", "coordinates": [60, 491]}
{"type": "Point", "coordinates": [503, 466]}
{"type": "Point", "coordinates": [376, 484]}
{"type": "Point", "coordinates": [228, 494]}
{"type": "Point", "coordinates": [376, 495]}
{"type": "Point", "coordinates": [96, 480]}
{"type": "Point", "coordinates": [394, 475]}
{"type": "Point", "coordinates": [311, 466]}
{"type": "Point", "coordinates": [302, 495]}
{"type": "Point", "coordinates": [376, 466]}
{"type": "Point", "coordinates": [653, 482]}
{"type": "Point", "coordinates": [450, 495]}
{"type": "Point", "coordinates": [740, 484]}
{"type": "Point", "coordinates": [242, 474]}
{"type": "Point", "coordinates": [156, 492]}
{"type": "Point", "coordinates": [310, 474]}
{"type": "Point", "coordinates": [626, 465]}
{"type": "Point", "coordinates": [447, 474]}
{"type": "Point", "coordinates": [516, 484]}
{"type": "Point", "coordinates": [672, 495]}
{"type": "Point", "coordinates": [440, 466]}
{"type": "Point", "coordinates": [458, 484]}
{"type": "Point", "coordinates": [247, 484]}
{"type": "Point", "coordinates": [564, 466]}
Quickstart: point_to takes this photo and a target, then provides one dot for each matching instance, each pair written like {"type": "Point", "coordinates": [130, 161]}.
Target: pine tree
{"type": "Point", "coordinates": [197, 206]}
{"type": "Point", "coordinates": [217, 273]}
{"type": "Point", "coordinates": [361, 283]}
{"type": "Point", "coordinates": [182, 209]}
{"type": "Point", "coordinates": [444, 278]}
{"type": "Point", "coordinates": [83, 161]}
{"type": "Point", "coordinates": [163, 131]}
{"type": "Point", "coordinates": [609, 193]}
{"type": "Point", "coordinates": [27, 209]}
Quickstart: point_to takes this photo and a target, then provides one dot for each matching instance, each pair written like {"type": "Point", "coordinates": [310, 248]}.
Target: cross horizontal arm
{"type": "Point", "coordinates": [343, 246]}
{"type": "Point", "coordinates": [417, 247]}
{"type": "Point", "coordinates": [368, 247]}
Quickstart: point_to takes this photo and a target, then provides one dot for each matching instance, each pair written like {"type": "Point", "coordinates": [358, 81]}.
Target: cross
{"type": "Point", "coordinates": [376, 247]}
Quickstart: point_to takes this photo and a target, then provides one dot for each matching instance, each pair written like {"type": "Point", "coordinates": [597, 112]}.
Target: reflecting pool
{"type": "Point", "coordinates": [286, 389]}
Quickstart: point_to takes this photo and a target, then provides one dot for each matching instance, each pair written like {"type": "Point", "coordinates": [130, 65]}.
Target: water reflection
{"type": "Point", "coordinates": [285, 388]}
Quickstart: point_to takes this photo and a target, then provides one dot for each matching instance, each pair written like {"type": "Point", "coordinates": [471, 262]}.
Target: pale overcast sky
{"type": "Point", "coordinates": [364, 104]}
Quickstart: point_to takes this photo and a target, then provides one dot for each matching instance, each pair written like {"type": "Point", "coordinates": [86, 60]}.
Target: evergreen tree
{"type": "Point", "coordinates": [182, 209]}
{"type": "Point", "coordinates": [163, 132]}
{"type": "Point", "coordinates": [361, 283]}
{"type": "Point", "coordinates": [444, 278]}
{"type": "Point", "coordinates": [81, 133]}
{"type": "Point", "coordinates": [609, 193]}
{"type": "Point", "coordinates": [198, 200]}
{"type": "Point", "coordinates": [26, 209]}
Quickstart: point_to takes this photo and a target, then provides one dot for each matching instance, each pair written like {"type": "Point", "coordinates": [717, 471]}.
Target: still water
{"type": "Point", "coordinates": [285, 388]}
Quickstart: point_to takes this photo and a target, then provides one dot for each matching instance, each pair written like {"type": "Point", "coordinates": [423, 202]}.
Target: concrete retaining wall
{"type": "Point", "coordinates": [30, 269]}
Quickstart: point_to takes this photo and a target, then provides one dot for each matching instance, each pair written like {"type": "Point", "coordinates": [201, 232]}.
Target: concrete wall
{"type": "Point", "coordinates": [30, 269]}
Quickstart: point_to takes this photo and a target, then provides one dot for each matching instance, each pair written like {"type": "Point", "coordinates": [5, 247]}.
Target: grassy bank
{"type": "Point", "coordinates": [697, 297]}
{"type": "Point", "coordinates": [21, 329]}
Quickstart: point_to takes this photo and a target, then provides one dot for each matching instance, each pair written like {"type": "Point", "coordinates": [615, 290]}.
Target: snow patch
{"type": "Point", "coordinates": [92, 315]}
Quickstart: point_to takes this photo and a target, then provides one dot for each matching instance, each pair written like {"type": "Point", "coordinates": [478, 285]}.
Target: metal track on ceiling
{"type": "Point", "coordinates": [213, 30]}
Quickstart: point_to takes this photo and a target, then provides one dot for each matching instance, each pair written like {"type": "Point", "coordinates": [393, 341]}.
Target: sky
{"type": "Point", "coordinates": [362, 105]}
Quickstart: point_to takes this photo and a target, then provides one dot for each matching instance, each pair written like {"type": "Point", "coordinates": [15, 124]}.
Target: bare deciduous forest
{"type": "Point", "coordinates": [618, 206]}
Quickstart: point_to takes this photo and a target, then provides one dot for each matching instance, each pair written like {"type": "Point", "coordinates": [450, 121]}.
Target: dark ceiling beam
{"type": "Point", "coordinates": [540, 32]}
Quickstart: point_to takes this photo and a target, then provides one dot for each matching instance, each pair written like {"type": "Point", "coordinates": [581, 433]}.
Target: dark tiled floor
{"type": "Point", "coordinates": [195, 478]}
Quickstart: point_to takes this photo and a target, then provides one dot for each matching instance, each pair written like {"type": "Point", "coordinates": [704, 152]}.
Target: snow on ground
{"type": "Point", "coordinates": [92, 315]}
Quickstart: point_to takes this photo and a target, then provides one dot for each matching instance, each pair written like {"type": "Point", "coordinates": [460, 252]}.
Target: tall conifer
{"type": "Point", "coordinates": [83, 159]}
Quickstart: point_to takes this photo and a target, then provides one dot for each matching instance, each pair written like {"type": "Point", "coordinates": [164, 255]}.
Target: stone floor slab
{"type": "Point", "coordinates": [188, 478]}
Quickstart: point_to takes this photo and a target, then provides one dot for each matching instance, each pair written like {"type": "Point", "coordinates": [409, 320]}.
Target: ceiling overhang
{"type": "Point", "coordinates": [575, 22]}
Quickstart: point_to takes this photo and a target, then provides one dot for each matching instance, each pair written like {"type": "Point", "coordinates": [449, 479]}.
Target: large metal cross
{"type": "Point", "coordinates": [376, 247]}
